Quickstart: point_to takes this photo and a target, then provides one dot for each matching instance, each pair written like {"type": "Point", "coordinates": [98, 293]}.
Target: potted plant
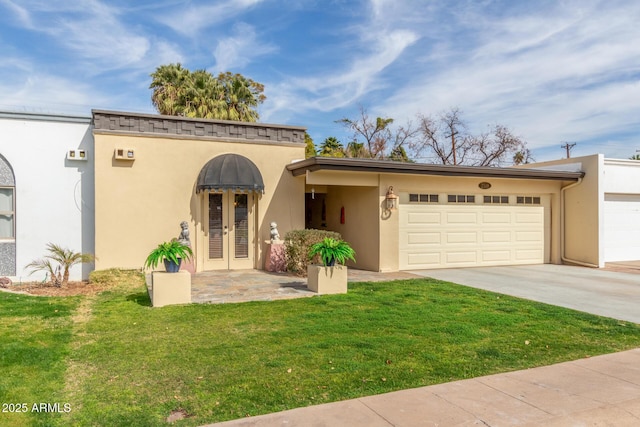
{"type": "Point", "coordinates": [331, 276]}
{"type": "Point", "coordinates": [172, 286]}
{"type": "Point", "coordinates": [172, 253]}
{"type": "Point", "coordinates": [332, 251]}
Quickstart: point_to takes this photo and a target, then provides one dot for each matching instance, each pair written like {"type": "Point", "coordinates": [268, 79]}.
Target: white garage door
{"type": "Point", "coordinates": [621, 227]}
{"type": "Point", "coordinates": [441, 236]}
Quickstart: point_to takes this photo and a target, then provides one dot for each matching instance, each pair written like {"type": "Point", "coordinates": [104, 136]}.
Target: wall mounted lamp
{"type": "Point", "coordinates": [391, 200]}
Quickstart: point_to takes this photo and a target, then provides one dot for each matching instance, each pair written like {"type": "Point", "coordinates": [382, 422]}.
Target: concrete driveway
{"type": "Point", "coordinates": [605, 293]}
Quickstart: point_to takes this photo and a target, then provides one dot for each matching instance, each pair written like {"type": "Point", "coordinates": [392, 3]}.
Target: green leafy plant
{"type": "Point", "coordinates": [332, 251]}
{"type": "Point", "coordinates": [59, 258]}
{"type": "Point", "coordinates": [171, 251]}
{"type": "Point", "coordinates": [297, 244]}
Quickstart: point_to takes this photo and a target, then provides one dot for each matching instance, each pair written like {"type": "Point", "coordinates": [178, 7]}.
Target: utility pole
{"type": "Point", "coordinates": [453, 146]}
{"type": "Point", "coordinates": [568, 147]}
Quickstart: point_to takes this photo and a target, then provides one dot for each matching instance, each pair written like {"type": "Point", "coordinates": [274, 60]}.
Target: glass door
{"type": "Point", "coordinates": [230, 240]}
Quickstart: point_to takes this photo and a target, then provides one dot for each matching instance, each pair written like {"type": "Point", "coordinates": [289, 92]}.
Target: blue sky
{"type": "Point", "coordinates": [551, 71]}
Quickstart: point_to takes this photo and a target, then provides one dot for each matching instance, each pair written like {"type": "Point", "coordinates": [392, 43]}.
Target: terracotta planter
{"type": "Point", "coordinates": [327, 280]}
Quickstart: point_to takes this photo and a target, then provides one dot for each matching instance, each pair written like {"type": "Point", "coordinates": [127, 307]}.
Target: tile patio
{"type": "Point", "coordinates": [229, 286]}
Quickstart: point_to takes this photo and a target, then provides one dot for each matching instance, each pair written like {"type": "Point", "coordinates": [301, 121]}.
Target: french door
{"type": "Point", "coordinates": [230, 231]}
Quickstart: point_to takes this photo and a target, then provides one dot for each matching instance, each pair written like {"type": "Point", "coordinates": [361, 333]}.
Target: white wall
{"type": "Point", "coordinates": [54, 196]}
{"type": "Point", "coordinates": [622, 176]}
{"type": "Point", "coordinates": [614, 179]}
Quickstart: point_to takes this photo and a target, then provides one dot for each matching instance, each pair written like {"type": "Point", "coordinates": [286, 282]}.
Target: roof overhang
{"type": "Point", "coordinates": [384, 166]}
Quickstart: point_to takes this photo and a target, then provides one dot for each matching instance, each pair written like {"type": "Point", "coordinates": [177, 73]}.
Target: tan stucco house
{"type": "Point", "coordinates": [122, 183]}
{"type": "Point", "coordinates": [226, 179]}
{"type": "Point", "coordinates": [229, 180]}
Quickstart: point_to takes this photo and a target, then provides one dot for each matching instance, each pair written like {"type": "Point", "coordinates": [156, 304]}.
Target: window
{"type": "Point", "coordinates": [423, 198]}
{"type": "Point", "coordinates": [496, 199]}
{"type": "Point", "coordinates": [7, 229]}
{"type": "Point", "coordinates": [528, 200]}
{"type": "Point", "coordinates": [461, 198]}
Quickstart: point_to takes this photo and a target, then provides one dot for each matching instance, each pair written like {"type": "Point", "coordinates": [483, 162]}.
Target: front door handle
{"type": "Point", "coordinates": [225, 229]}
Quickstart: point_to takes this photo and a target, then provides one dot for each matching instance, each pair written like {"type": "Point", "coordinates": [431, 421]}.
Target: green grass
{"type": "Point", "coordinates": [130, 364]}
{"type": "Point", "coordinates": [35, 337]}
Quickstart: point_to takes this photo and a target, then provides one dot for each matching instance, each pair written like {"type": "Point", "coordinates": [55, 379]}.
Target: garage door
{"type": "Point", "coordinates": [442, 235]}
{"type": "Point", "coordinates": [621, 227]}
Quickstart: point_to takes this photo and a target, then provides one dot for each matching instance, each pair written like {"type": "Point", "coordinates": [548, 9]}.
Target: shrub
{"type": "Point", "coordinates": [297, 245]}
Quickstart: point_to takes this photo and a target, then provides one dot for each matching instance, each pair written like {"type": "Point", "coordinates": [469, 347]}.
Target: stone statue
{"type": "Point", "coordinates": [184, 234]}
{"type": "Point", "coordinates": [275, 236]}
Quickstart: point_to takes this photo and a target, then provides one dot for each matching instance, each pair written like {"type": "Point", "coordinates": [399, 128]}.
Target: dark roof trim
{"type": "Point", "coordinates": [124, 123]}
{"type": "Point", "coordinates": [99, 112]}
{"type": "Point", "coordinates": [383, 166]}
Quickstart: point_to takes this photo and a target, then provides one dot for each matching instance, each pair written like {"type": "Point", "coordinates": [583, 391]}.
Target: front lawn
{"type": "Point", "coordinates": [130, 364]}
{"type": "Point", "coordinates": [35, 337]}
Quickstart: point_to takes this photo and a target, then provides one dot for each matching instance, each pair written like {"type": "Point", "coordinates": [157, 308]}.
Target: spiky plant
{"type": "Point", "coordinates": [59, 258]}
{"type": "Point", "coordinates": [332, 250]}
{"type": "Point", "coordinates": [168, 250]}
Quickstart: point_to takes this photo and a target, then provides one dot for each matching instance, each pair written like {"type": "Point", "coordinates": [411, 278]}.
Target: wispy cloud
{"type": "Point", "coordinates": [240, 49]}
{"type": "Point", "coordinates": [96, 33]}
{"type": "Point", "coordinates": [549, 70]}
{"type": "Point", "coordinates": [550, 74]}
{"type": "Point", "coordinates": [193, 19]}
{"type": "Point", "coordinates": [49, 94]}
{"type": "Point", "coordinates": [375, 47]}
{"type": "Point", "coordinates": [21, 14]}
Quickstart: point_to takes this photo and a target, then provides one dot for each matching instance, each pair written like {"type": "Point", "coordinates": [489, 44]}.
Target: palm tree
{"type": "Point", "coordinates": [204, 96]}
{"type": "Point", "coordinates": [356, 149]}
{"type": "Point", "coordinates": [169, 85]}
{"type": "Point", "coordinates": [180, 92]}
{"type": "Point", "coordinates": [242, 96]}
{"type": "Point", "coordinates": [44, 264]}
{"type": "Point", "coordinates": [65, 258]}
{"type": "Point", "coordinates": [399, 154]}
{"type": "Point", "coordinates": [310, 149]}
{"type": "Point", "coordinates": [331, 147]}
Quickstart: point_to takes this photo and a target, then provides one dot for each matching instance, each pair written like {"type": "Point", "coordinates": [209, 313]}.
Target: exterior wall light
{"type": "Point", "coordinates": [391, 199]}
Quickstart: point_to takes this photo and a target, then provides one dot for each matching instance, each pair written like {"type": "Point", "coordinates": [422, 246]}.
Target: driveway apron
{"type": "Point", "coordinates": [605, 293]}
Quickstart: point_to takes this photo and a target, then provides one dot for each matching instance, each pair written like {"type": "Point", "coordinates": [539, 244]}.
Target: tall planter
{"type": "Point", "coordinates": [330, 278]}
{"type": "Point", "coordinates": [170, 288]}
{"type": "Point", "coordinates": [327, 279]}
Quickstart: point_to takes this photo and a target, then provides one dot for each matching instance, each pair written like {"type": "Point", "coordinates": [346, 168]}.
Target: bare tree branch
{"type": "Point", "coordinates": [447, 140]}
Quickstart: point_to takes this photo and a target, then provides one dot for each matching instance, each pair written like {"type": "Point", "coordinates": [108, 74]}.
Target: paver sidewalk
{"type": "Point", "coordinates": [596, 391]}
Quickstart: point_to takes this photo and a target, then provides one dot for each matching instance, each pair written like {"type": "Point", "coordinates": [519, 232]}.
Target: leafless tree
{"type": "Point", "coordinates": [445, 139]}
{"type": "Point", "coordinates": [375, 132]}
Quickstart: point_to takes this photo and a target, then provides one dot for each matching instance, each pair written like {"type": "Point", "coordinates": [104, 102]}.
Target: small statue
{"type": "Point", "coordinates": [275, 236]}
{"type": "Point", "coordinates": [184, 234]}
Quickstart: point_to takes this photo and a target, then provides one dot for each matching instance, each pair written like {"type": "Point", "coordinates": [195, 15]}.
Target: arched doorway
{"type": "Point", "coordinates": [230, 186]}
{"type": "Point", "coordinates": [7, 219]}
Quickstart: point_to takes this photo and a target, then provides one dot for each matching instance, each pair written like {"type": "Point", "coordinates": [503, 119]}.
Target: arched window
{"type": "Point", "coordinates": [7, 219]}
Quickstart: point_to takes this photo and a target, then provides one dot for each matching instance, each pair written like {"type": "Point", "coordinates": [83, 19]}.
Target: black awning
{"type": "Point", "coordinates": [230, 172]}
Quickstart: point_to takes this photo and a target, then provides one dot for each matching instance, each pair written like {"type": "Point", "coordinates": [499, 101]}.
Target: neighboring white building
{"type": "Point", "coordinates": [46, 192]}
{"type": "Point", "coordinates": [602, 212]}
